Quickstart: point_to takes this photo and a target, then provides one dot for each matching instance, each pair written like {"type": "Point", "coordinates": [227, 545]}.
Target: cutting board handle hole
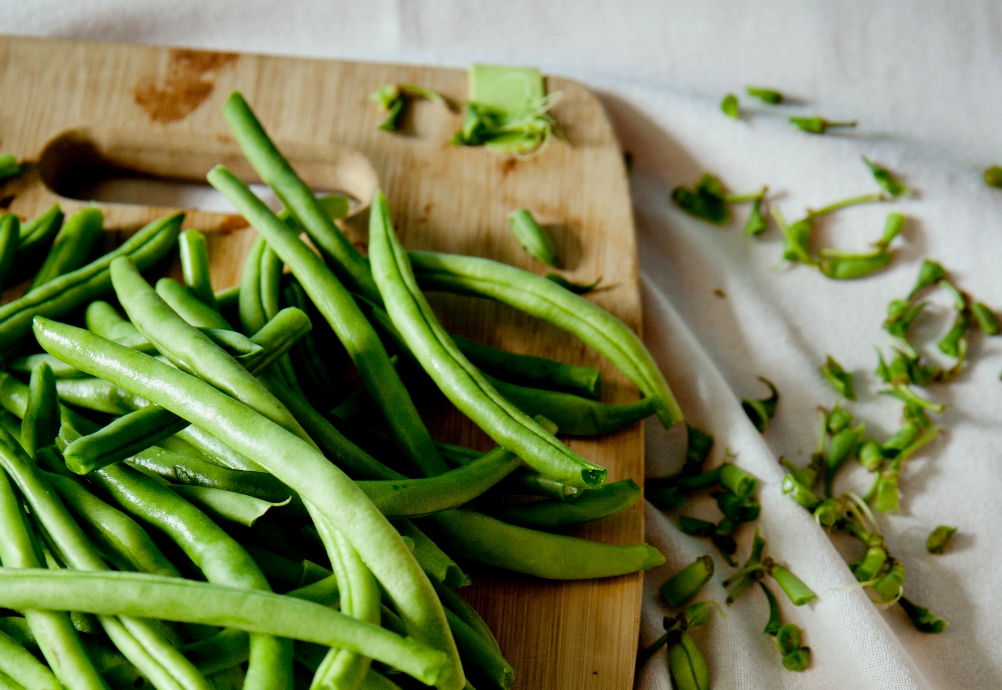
{"type": "Point", "coordinates": [168, 171]}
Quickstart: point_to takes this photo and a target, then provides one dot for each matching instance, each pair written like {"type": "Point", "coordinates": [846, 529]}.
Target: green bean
{"type": "Point", "coordinates": [252, 309]}
{"type": "Point", "coordinates": [24, 365]}
{"type": "Point", "coordinates": [595, 504]}
{"type": "Point", "coordinates": [225, 649]}
{"type": "Point", "coordinates": [288, 457]}
{"type": "Point", "coordinates": [574, 415]}
{"type": "Point", "coordinates": [128, 543]}
{"type": "Point", "coordinates": [462, 382]}
{"type": "Point", "coordinates": [40, 425]}
{"type": "Point", "coordinates": [547, 300]}
{"type": "Point", "coordinates": [307, 349]}
{"type": "Point", "coordinates": [195, 267]}
{"type": "Point", "coordinates": [551, 556]}
{"type": "Point", "coordinates": [287, 572]}
{"type": "Point", "coordinates": [459, 606]}
{"type": "Point", "coordinates": [435, 562]}
{"type": "Point", "coordinates": [9, 228]}
{"type": "Point", "coordinates": [217, 555]}
{"type": "Point", "coordinates": [72, 246]}
{"type": "Point", "coordinates": [345, 318]}
{"type": "Point", "coordinates": [536, 372]}
{"type": "Point", "coordinates": [533, 237]}
{"type": "Point", "coordinates": [418, 497]}
{"type": "Point", "coordinates": [532, 483]}
{"type": "Point", "coordinates": [486, 665]}
{"type": "Point", "coordinates": [227, 505]}
{"type": "Point", "coordinates": [276, 172]}
{"type": "Point", "coordinates": [189, 307]}
{"type": "Point", "coordinates": [20, 666]}
{"type": "Point", "coordinates": [355, 403]}
{"type": "Point", "coordinates": [97, 395]}
{"type": "Point", "coordinates": [215, 450]}
{"type": "Point", "coordinates": [227, 297]}
{"type": "Point", "coordinates": [52, 630]}
{"type": "Point", "coordinates": [35, 238]}
{"type": "Point", "coordinates": [104, 319]}
{"type": "Point", "coordinates": [334, 205]}
{"type": "Point", "coordinates": [63, 294]}
{"type": "Point", "coordinates": [153, 596]}
{"type": "Point", "coordinates": [140, 641]}
{"type": "Point", "coordinates": [183, 344]}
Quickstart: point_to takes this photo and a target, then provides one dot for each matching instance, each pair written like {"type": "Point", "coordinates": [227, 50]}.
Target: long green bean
{"type": "Point", "coordinates": [462, 382]}
{"type": "Point", "coordinates": [35, 238]}
{"type": "Point", "coordinates": [524, 481]}
{"type": "Point", "coordinates": [72, 246]}
{"type": "Point", "coordinates": [252, 308]}
{"type": "Point", "coordinates": [435, 562]}
{"type": "Point", "coordinates": [142, 643]}
{"type": "Point", "coordinates": [61, 370]}
{"type": "Point", "coordinates": [459, 606]}
{"type": "Point", "coordinates": [63, 294]}
{"type": "Point", "coordinates": [232, 506]}
{"type": "Point", "coordinates": [289, 458]}
{"type": "Point", "coordinates": [195, 267]}
{"type": "Point", "coordinates": [220, 558]}
{"type": "Point", "coordinates": [164, 598]}
{"type": "Point", "coordinates": [345, 318]}
{"type": "Point", "coordinates": [224, 650]}
{"type": "Point", "coordinates": [276, 172]}
{"type": "Point", "coordinates": [52, 630]}
{"type": "Point", "coordinates": [40, 425]}
{"type": "Point", "coordinates": [487, 666]}
{"type": "Point", "coordinates": [551, 514]}
{"type": "Point", "coordinates": [545, 299]}
{"type": "Point", "coordinates": [316, 376]}
{"type": "Point", "coordinates": [18, 664]}
{"type": "Point", "coordinates": [536, 372]}
{"type": "Point", "coordinates": [188, 306]}
{"type": "Point", "coordinates": [551, 556]}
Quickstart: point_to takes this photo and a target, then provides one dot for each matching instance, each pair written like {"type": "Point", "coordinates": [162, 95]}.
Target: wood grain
{"type": "Point", "coordinates": [74, 110]}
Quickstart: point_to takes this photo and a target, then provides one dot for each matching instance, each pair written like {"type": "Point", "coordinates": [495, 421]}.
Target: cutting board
{"type": "Point", "coordinates": [80, 111]}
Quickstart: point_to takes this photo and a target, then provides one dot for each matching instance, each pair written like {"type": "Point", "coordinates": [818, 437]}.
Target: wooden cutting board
{"type": "Point", "coordinates": [77, 111]}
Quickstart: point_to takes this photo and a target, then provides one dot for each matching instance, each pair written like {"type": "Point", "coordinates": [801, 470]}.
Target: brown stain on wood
{"type": "Point", "coordinates": [185, 87]}
{"type": "Point", "coordinates": [233, 222]}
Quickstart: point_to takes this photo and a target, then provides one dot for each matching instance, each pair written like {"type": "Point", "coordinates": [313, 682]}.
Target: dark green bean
{"type": "Point", "coordinates": [224, 650]}
{"type": "Point", "coordinates": [141, 642]}
{"type": "Point", "coordinates": [545, 299]}
{"type": "Point", "coordinates": [9, 240]}
{"type": "Point", "coordinates": [462, 382]}
{"type": "Point", "coordinates": [220, 558]}
{"type": "Point", "coordinates": [195, 267]}
{"type": "Point", "coordinates": [438, 565]}
{"type": "Point", "coordinates": [527, 370]}
{"type": "Point", "coordinates": [276, 172]}
{"type": "Point", "coordinates": [550, 514]}
{"type": "Point", "coordinates": [40, 425]}
{"type": "Point", "coordinates": [288, 457]}
{"type": "Point", "coordinates": [227, 297]}
{"type": "Point", "coordinates": [220, 504]}
{"type": "Point", "coordinates": [52, 630]}
{"type": "Point", "coordinates": [551, 556]}
{"type": "Point", "coordinates": [189, 307]}
{"type": "Point", "coordinates": [459, 606]}
{"type": "Point", "coordinates": [63, 294]}
{"type": "Point", "coordinates": [35, 238]}
{"type": "Point", "coordinates": [484, 661]}
{"type": "Point", "coordinates": [345, 318]}
{"type": "Point", "coordinates": [128, 544]}
{"type": "Point", "coordinates": [153, 596]}
{"type": "Point", "coordinates": [574, 415]}
{"type": "Point", "coordinates": [24, 365]}
{"type": "Point", "coordinates": [72, 246]}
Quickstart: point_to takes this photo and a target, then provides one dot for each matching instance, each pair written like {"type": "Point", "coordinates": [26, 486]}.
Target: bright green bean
{"type": "Point", "coordinates": [9, 240]}
{"type": "Point", "coordinates": [545, 299]}
{"type": "Point", "coordinates": [104, 319]}
{"type": "Point", "coordinates": [227, 297]}
{"type": "Point", "coordinates": [574, 415]}
{"type": "Point", "coordinates": [24, 365]}
{"type": "Point", "coordinates": [435, 562]}
{"type": "Point", "coordinates": [345, 318]}
{"type": "Point", "coordinates": [176, 599]}
{"type": "Point", "coordinates": [252, 316]}
{"type": "Point", "coordinates": [97, 395]}
{"type": "Point", "coordinates": [418, 497]}
{"type": "Point", "coordinates": [276, 172]}
{"type": "Point", "coordinates": [52, 630]}
{"type": "Point", "coordinates": [40, 425]}
{"type": "Point", "coordinates": [536, 372]}
{"type": "Point", "coordinates": [550, 514]}
{"type": "Point", "coordinates": [334, 205]}
{"type": "Point", "coordinates": [35, 238]}
{"type": "Point", "coordinates": [18, 664]}
{"type": "Point", "coordinates": [551, 556]}
{"type": "Point", "coordinates": [195, 267]}
{"type": "Point", "coordinates": [129, 545]}
{"type": "Point", "coordinates": [227, 505]}
{"type": "Point", "coordinates": [523, 481]}
{"type": "Point", "coordinates": [462, 382]}
{"type": "Point", "coordinates": [72, 246]}
{"type": "Point", "coordinates": [188, 306]}
{"type": "Point", "coordinates": [285, 455]}
{"type": "Point", "coordinates": [215, 450]}
{"type": "Point", "coordinates": [141, 642]}
{"type": "Point", "coordinates": [63, 294]}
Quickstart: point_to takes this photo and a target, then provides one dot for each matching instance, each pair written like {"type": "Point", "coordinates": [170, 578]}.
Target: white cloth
{"type": "Point", "coordinates": [923, 80]}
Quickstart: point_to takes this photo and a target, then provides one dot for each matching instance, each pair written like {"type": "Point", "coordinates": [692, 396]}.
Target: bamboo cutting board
{"type": "Point", "coordinates": [79, 111]}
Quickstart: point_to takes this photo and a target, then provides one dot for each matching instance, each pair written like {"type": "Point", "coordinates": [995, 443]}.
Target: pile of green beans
{"type": "Point", "coordinates": [165, 472]}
